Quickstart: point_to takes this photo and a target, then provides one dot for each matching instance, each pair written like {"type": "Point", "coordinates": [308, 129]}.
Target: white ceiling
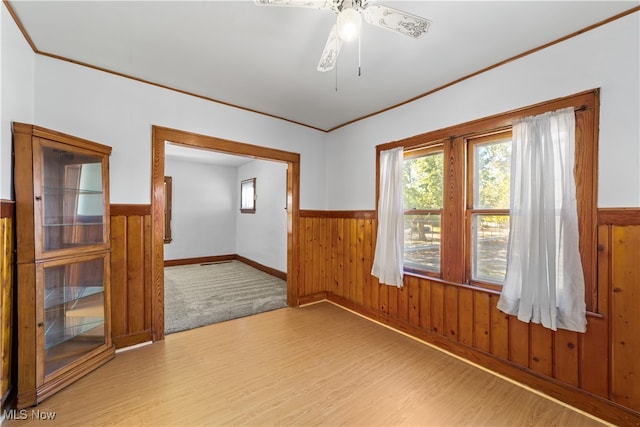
{"type": "Point", "coordinates": [264, 58]}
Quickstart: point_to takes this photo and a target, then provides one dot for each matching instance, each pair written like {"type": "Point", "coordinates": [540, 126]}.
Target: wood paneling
{"type": "Point", "coordinates": [619, 216]}
{"type": "Point", "coordinates": [625, 303]}
{"type": "Point", "coordinates": [566, 356]}
{"type": "Point", "coordinates": [481, 321]}
{"type": "Point", "coordinates": [576, 368]}
{"type": "Point", "coordinates": [131, 310]}
{"type": "Point", "coordinates": [450, 328]}
{"type": "Point", "coordinates": [453, 211]}
{"type": "Point", "coordinates": [7, 208]}
{"type": "Point", "coordinates": [6, 298]}
{"type": "Point", "coordinates": [336, 255]}
{"type": "Point", "coordinates": [518, 342]}
{"type": "Point", "coordinates": [465, 316]}
{"type": "Point", "coordinates": [499, 333]}
{"type": "Point", "coordinates": [437, 307]}
{"type": "Point", "coordinates": [541, 345]}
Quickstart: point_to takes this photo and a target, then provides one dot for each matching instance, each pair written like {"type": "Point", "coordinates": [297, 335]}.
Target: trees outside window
{"type": "Point", "coordinates": [456, 188]}
{"type": "Point", "coordinates": [422, 178]}
{"type": "Point", "coordinates": [489, 166]}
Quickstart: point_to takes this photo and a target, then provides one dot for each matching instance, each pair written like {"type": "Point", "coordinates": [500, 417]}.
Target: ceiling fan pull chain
{"type": "Point", "coordinates": [359, 55]}
{"type": "Point", "coordinates": [337, 45]}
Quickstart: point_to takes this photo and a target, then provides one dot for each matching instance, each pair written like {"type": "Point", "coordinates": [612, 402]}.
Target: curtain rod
{"type": "Point", "coordinates": [440, 141]}
{"type": "Point", "coordinates": [498, 129]}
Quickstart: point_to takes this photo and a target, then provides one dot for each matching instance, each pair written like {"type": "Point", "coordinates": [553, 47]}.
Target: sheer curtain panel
{"type": "Point", "coordinates": [544, 282]}
{"type": "Point", "coordinates": [388, 257]}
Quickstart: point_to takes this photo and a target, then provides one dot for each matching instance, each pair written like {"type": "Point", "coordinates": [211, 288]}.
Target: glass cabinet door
{"type": "Point", "coordinates": [73, 211]}
{"type": "Point", "coordinates": [74, 311]}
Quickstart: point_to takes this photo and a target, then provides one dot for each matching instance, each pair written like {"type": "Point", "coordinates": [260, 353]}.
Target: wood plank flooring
{"type": "Point", "coordinates": [316, 365]}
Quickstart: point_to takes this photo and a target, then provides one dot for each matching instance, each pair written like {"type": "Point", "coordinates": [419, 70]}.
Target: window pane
{"type": "Point", "coordinates": [422, 242]}
{"type": "Point", "coordinates": [422, 182]}
{"type": "Point", "coordinates": [492, 173]}
{"type": "Point", "coordinates": [490, 236]}
{"type": "Point", "coordinates": [248, 196]}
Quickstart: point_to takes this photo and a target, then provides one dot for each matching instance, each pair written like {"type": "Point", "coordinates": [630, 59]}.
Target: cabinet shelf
{"type": "Point", "coordinates": [55, 297]}
{"type": "Point", "coordinates": [58, 191]}
{"type": "Point", "coordinates": [73, 327]}
{"type": "Point", "coordinates": [74, 224]}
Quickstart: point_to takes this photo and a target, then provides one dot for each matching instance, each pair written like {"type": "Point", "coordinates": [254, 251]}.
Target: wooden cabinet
{"type": "Point", "coordinates": [63, 250]}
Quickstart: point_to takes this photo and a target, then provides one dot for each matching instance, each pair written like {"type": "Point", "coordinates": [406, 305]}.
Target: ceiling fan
{"type": "Point", "coordinates": [349, 20]}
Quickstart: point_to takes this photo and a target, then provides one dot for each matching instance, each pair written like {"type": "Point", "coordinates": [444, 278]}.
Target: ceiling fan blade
{"type": "Point", "coordinates": [313, 4]}
{"type": "Point", "coordinates": [397, 20]}
{"type": "Point", "coordinates": [330, 52]}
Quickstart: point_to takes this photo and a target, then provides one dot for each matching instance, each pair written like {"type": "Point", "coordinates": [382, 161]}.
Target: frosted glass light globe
{"type": "Point", "coordinates": [349, 24]}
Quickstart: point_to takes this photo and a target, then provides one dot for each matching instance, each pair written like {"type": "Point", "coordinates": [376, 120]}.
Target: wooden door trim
{"type": "Point", "coordinates": [189, 139]}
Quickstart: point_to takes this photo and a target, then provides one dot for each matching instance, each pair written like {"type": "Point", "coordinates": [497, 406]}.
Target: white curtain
{"type": "Point", "coordinates": [544, 282]}
{"type": "Point", "coordinates": [388, 258]}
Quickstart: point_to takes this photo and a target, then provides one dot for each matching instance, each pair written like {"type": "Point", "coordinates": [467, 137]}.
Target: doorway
{"type": "Point", "coordinates": [188, 139]}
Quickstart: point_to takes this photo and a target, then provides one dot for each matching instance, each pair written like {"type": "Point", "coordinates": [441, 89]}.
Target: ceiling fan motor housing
{"type": "Point", "coordinates": [340, 5]}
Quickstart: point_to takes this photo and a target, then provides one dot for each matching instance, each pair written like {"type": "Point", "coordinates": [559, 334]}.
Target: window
{"type": "Point", "coordinates": [489, 166]}
{"type": "Point", "coordinates": [422, 178]}
{"type": "Point", "coordinates": [248, 196]}
{"type": "Point", "coordinates": [456, 187]}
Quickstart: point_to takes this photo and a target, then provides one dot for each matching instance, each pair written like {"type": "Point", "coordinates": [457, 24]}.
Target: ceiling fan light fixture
{"type": "Point", "coordinates": [349, 24]}
{"type": "Point", "coordinates": [350, 14]}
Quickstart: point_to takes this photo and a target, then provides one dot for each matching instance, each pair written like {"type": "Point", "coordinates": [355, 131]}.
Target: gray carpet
{"type": "Point", "coordinates": [197, 295]}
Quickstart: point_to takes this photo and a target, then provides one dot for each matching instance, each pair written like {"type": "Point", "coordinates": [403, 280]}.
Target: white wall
{"type": "Point", "coordinates": [203, 210]}
{"type": "Point", "coordinates": [17, 65]}
{"type": "Point", "coordinates": [262, 236]}
{"type": "Point", "coordinates": [341, 173]}
{"type": "Point", "coordinates": [206, 218]}
{"type": "Point", "coordinates": [120, 112]}
{"type": "Point", "coordinates": [607, 57]}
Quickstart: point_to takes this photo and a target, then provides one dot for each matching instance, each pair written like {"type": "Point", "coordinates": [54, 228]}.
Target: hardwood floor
{"type": "Point", "coordinates": [316, 365]}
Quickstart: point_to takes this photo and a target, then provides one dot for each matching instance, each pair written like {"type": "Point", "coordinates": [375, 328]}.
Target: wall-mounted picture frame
{"type": "Point", "coordinates": [248, 196]}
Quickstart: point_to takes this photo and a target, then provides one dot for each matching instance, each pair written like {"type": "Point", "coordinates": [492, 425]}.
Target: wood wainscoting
{"type": "Point", "coordinates": [7, 349]}
{"type": "Point", "coordinates": [131, 274]}
{"type": "Point", "coordinates": [619, 273]}
{"type": "Point", "coordinates": [596, 371]}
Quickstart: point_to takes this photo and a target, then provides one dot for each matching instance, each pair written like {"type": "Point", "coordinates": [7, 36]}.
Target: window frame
{"type": "Point", "coordinates": [244, 185]}
{"type": "Point", "coordinates": [454, 249]}
{"type": "Point", "coordinates": [471, 211]}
